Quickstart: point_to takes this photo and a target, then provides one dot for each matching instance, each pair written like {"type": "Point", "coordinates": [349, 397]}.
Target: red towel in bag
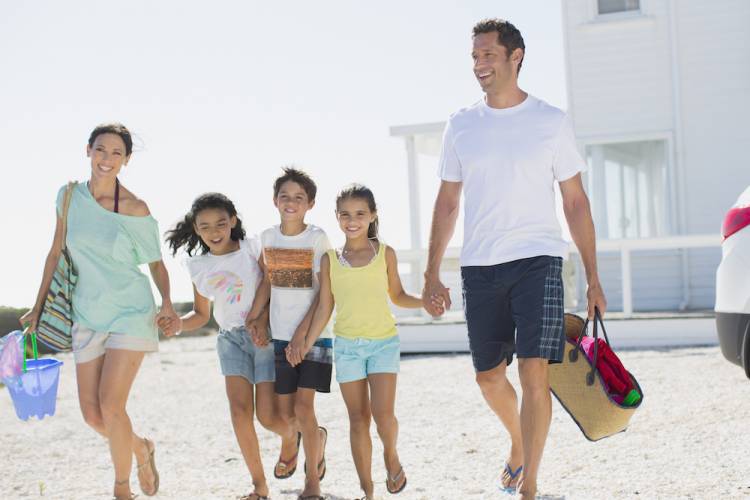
{"type": "Point", "coordinates": [616, 378]}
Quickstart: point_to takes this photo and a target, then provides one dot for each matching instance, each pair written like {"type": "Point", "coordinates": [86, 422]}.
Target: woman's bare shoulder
{"type": "Point", "coordinates": [130, 204]}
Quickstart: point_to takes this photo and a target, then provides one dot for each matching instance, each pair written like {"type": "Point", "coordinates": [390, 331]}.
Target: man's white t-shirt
{"type": "Point", "coordinates": [229, 280]}
{"type": "Point", "coordinates": [293, 264]}
{"type": "Point", "coordinates": [508, 161]}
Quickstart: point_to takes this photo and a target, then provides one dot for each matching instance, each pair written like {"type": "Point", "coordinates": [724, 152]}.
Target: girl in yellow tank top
{"type": "Point", "coordinates": [359, 279]}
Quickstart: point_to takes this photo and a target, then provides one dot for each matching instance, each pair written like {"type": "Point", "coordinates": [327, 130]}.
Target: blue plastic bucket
{"type": "Point", "coordinates": [34, 393]}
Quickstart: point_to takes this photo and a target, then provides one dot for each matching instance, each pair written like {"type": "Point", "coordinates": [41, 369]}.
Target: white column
{"type": "Point", "coordinates": [414, 213]}
{"type": "Point", "coordinates": [627, 282]}
{"type": "Point", "coordinates": [598, 192]}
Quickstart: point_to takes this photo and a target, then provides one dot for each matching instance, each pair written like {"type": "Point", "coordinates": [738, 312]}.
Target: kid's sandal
{"type": "Point", "coordinates": [394, 480]}
{"type": "Point", "coordinates": [285, 465]}
{"type": "Point", "coordinates": [514, 477]}
{"type": "Point", "coordinates": [322, 462]}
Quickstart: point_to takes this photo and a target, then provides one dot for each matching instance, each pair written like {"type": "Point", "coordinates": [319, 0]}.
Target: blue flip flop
{"type": "Point", "coordinates": [513, 476]}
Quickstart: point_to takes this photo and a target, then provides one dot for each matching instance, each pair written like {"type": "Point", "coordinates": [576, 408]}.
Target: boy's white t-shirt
{"type": "Point", "coordinates": [229, 280]}
{"type": "Point", "coordinates": [508, 161]}
{"type": "Point", "coordinates": [293, 264]}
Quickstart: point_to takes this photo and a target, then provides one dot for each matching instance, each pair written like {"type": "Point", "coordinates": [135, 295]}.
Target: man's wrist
{"type": "Point", "coordinates": [432, 274]}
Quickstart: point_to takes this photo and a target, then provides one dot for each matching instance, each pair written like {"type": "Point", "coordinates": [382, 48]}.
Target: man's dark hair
{"type": "Point", "coordinates": [507, 35]}
{"type": "Point", "coordinates": [298, 176]}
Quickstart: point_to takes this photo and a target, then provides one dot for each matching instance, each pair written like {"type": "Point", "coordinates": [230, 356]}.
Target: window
{"type": "Point", "coordinates": [615, 6]}
{"type": "Point", "coordinates": [628, 187]}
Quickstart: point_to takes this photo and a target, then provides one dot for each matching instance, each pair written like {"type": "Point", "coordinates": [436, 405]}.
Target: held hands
{"type": "Point", "coordinates": [258, 331]}
{"type": "Point", "coordinates": [297, 348]}
{"type": "Point", "coordinates": [436, 297]}
{"type": "Point", "coordinates": [168, 321]}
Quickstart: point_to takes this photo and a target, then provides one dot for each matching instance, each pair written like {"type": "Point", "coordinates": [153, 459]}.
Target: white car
{"type": "Point", "coordinates": [733, 285]}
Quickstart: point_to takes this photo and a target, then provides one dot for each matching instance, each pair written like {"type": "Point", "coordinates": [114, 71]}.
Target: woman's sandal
{"type": "Point", "coordinates": [285, 466]}
{"type": "Point", "coordinates": [120, 497]}
{"type": "Point", "coordinates": [394, 480]}
{"type": "Point", "coordinates": [151, 462]}
{"type": "Point", "coordinates": [254, 496]}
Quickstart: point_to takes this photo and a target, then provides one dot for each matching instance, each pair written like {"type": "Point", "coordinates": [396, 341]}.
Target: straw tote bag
{"type": "Point", "coordinates": [56, 320]}
{"type": "Point", "coordinates": [577, 385]}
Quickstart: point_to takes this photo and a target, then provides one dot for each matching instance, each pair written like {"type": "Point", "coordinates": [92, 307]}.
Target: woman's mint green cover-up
{"type": "Point", "coordinates": [112, 294]}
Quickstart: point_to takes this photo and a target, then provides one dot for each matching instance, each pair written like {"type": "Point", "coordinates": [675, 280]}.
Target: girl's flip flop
{"type": "Point", "coordinates": [394, 480]}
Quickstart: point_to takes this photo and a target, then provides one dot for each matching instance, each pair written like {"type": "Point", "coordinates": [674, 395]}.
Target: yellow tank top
{"type": "Point", "coordinates": [361, 295]}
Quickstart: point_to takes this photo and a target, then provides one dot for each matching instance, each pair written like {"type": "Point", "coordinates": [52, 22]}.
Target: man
{"type": "Point", "coordinates": [506, 152]}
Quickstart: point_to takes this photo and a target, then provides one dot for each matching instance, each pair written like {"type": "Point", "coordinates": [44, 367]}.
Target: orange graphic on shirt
{"type": "Point", "coordinates": [290, 267]}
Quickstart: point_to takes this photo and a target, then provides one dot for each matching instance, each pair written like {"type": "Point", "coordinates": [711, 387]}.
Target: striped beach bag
{"type": "Point", "coordinates": [578, 385]}
{"type": "Point", "coordinates": [56, 320]}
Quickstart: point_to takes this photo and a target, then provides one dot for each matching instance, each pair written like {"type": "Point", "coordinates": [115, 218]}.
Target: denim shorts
{"type": "Point", "coordinates": [356, 358]}
{"type": "Point", "coordinates": [239, 356]}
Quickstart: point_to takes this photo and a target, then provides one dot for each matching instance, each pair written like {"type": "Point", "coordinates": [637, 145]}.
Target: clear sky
{"type": "Point", "coordinates": [222, 94]}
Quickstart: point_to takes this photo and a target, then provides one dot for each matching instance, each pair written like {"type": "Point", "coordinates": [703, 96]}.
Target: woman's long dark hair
{"type": "Point", "coordinates": [184, 235]}
{"type": "Point", "coordinates": [363, 193]}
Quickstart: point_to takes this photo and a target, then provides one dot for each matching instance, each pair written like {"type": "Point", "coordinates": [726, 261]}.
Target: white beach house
{"type": "Point", "coordinates": [659, 93]}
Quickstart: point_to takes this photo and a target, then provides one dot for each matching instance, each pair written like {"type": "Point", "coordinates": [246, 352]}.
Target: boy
{"type": "Point", "coordinates": [291, 263]}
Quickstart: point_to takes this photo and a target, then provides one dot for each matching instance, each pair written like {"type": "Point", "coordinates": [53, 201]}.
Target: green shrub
{"type": "Point", "coordinates": [9, 319]}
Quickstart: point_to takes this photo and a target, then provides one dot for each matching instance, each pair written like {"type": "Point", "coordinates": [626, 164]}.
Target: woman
{"type": "Point", "coordinates": [110, 232]}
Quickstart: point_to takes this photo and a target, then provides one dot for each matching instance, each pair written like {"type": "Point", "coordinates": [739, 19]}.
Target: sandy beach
{"type": "Point", "coordinates": [689, 439]}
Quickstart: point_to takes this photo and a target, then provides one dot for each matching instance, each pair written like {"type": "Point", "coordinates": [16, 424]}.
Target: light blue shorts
{"type": "Point", "coordinates": [239, 356]}
{"type": "Point", "coordinates": [355, 359]}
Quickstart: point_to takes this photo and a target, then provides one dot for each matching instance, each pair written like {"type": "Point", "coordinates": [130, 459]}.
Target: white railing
{"type": "Point", "coordinates": [625, 247]}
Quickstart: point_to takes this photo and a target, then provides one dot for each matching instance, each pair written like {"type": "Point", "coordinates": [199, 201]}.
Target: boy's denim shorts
{"type": "Point", "coordinates": [239, 356]}
{"type": "Point", "coordinates": [355, 359]}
